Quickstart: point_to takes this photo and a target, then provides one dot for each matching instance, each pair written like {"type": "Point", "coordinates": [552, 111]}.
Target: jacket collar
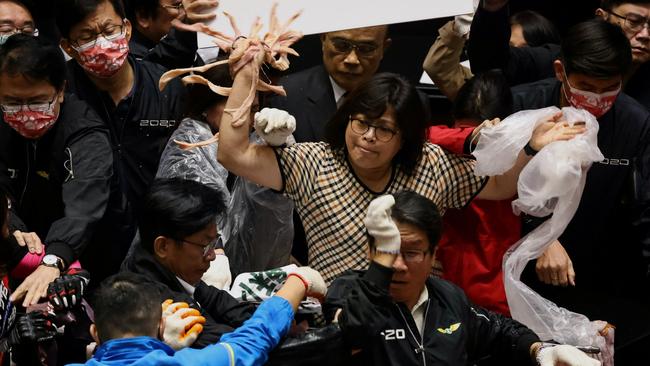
{"type": "Point", "coordinates": [121, 351]}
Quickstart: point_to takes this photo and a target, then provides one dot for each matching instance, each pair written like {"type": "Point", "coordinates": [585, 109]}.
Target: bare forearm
{"type": "Point", "coordinates": [293, 291]}
{"type": "Point", "coordinates": [233, 141]}
{"type": "Point", "coordinates": [504, 186]}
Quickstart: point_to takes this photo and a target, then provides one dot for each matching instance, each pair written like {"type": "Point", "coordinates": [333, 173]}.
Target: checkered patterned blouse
{"type": "Point", "coordinates": [331, 200]}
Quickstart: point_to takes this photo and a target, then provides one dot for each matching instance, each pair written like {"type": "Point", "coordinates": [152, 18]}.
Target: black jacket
{"type": "Point", "coordinates": [221, 311]}
{"type": "Point", "coordinates": [177, 49]}
{"type": "Point", "coordinates": [455, 331]}
{"type": "Point", "coordinates": [489, 48]}
{"type": "Point", "coordinates": [139, 125]}
{"type": "Point", "coordinates": [612, 221]}
{"type": "Point", "coordinates": [60, 183]}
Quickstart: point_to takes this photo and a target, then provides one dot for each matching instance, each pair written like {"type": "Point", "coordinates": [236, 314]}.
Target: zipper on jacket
{"type": "Point", "coordinates": [420, 343]}
{"type": "Point", "coordinates": [29, 165]}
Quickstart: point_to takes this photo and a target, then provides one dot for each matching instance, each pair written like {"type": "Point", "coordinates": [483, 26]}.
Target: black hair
{"type": "Point", "coordinates": [596, 48]}
{"type": "Point", "coordinates": [126, 303]}
{"type": "Point", "coordinates": [33, 58]}
{"type": "Point", "coordinates": [609, 4]}
{"type": "Point", "coordinates": [177, 208]}
{"type": "Point", "coordinates": [72, 12]}
{"type": "Point", "coordinates": [537, 30]}
{"type": "Point", "coordinates": [200, 97]}
{"type": "Point", "coordinates": [372, 99]}
{"type": "Point", "coordinates": [485, 96]}
{"type": "Point", "coordinates": [143, 8]}
{"type": "Point", "coordinates": [419, 211]}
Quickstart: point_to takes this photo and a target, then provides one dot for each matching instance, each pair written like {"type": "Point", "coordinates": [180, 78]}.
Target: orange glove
{"type": "Point", "coordinates": [182, 324]}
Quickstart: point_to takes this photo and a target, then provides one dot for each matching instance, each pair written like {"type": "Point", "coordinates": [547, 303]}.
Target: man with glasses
{"type": "Point", "coordinates": [155, 39]}
{"type": "Point", "coordinates": [15, 18]}
{"type": "Point", "coordinates": [350, 58]}
{"type": "Point", "coordinates": [179, 240]}
{"type": "Point", "coordinates": [396, 313]}
{"type": "Point", "coordinates": [122, 90]}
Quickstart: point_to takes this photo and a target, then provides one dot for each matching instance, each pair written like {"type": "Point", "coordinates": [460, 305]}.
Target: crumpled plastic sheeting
{"type": "Point", "coordinates": [551, 183]}
{"type": "Point", "coordinates": [258, 234]}
{"type": "Point", "coordinates": [198, 164]}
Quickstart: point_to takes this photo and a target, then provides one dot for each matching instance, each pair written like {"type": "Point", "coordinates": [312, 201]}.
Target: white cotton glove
{"type": "Point", "coordinates": [463, 22]}
{"type": "Point", "coordinates": [564, 355]}
{"type": "Point", "coordinates": [313, 281]}
{"type": "Point", "coordinates": [218, 275]}
{"type": "Point", "coordinates": [381, 226]}
{"type": "Point", "coordinates": [182, 324]}
{"type": "Point", "coordinates": [274, 125]}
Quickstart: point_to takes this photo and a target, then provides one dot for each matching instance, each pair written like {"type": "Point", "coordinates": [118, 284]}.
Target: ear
{"type": "Point", "coordinates": [387, 43]}
{"type": "Point", "coordinates": [433, 256]}
{"type": "Point", "coordinates": [62, 92]}
{"type": "Point", "coordinates": [128, 26]}
{"type": "Point", "coordinates": [603, 14]}
{"type": "Point", "coordinates": [93, 333]}
{"type": "Point", "coordinates": [559, 70]}
{"type": "Point", "coordinates": [142, 21]}
{"type": "Point", "coordinates": [161, 246]}
{"type": "Point", "coordinates": [67, 47]}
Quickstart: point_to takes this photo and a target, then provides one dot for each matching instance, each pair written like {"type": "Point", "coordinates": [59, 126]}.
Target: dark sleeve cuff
{"type": "Point", "coordinates": [523, 348]}
{"type": "Point", "coordinates": [61, 250]}
{"type": "Point", "coordinates": [467, 145]}
{"type": "Point", "coordinates": [284, 180]}
{"type": "Point", "coordinates": [378, 275]}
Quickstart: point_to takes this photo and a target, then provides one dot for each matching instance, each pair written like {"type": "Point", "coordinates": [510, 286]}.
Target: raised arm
{"type": "Point", "coordinates": [256, 163]}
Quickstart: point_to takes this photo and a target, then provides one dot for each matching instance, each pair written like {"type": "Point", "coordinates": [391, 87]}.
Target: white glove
{"type": "Point", "coordinates": [564, 355]}
{"type": "Point", "coordinates": [314, 282]}
{"type": "Point", "coordinates": [218, 275]}
{"type": "Point", "coordinates": [274, 125]}
{"type": "Point", "coordinates": [182, 324]}
{"type": "Point", "coordinates": [463, 22]}
{"type": "Point", "coordinates": [381, 226]}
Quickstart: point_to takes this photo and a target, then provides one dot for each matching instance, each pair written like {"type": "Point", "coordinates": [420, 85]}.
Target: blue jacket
{"type": "Point", "coordinates": [247, 345]}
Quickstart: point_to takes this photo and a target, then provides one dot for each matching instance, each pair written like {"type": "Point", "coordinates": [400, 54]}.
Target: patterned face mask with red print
{"type": "Point", "coordinates": [594, 103]}
{"type": "Point", "coordinates": [30, 121]}
{"type": "Point", "coordinates": [104, 56]}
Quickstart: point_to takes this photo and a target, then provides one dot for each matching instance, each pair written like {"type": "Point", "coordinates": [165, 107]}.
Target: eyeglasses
{"type": "Point", "coordinates": [344, 46]}
{"type": "Point", "coordinates": [8, 30]}
{"type": "Point", "coordinates": [88, 39]}
{"type": "Point", "coordinates": [633, 22]}
{"type": "Point", "coordinates": [34, 107]}
{"type": "Point", "coordinates": [361, 126]}
{"type": "Point", "coordinates": [413, 256]}
{"type": "Point", "coordinates": [207, 248]}
{"type": "Point", "coordinates": [176, 7]}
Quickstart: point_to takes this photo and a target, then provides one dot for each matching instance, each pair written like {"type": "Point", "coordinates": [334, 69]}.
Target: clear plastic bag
{"type": "Point", "coordinates": [551, 183]}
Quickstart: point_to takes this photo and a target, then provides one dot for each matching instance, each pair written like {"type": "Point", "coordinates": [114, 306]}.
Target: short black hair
{"type": "Point", "coordinates": [33, 58]}
{"type": "Point", "coordinates": [537, 30]}
{"type": "Point", "coordinates": [200, 97]}
{"type": "Point", "coordinates": [419, 211]}
{"type": "Point", "coordinates": [484, 96]}
{"type": "Point", "coordinates": [596, 48]}
{"type": "Point", "coordinates": [72, 12]}
{"type": "Point", "coordinates": [126, 303]}
{"type": "Point", "coordinates": [143, 8]}
{"type": "Point", "coordinates": [177, 208]}
{"type": "Point", "coordinates": [609, 4]}
{"type": "Point", "coordinates": [372, 99]}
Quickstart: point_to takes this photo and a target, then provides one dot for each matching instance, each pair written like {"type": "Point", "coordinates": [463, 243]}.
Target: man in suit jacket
{"type": "Point", "coordinates": [350, 58]}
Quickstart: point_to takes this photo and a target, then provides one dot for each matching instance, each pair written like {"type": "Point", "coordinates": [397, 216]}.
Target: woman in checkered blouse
{"type": "Point", "coordinates": [375, 145]}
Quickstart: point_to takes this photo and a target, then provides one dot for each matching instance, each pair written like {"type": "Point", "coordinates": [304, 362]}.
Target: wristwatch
{"type": "Point", "coordinates": [50, 260]}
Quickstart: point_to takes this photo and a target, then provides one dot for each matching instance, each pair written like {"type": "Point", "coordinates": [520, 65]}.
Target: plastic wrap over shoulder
{"type": "Point", "coordinates": [551, 183]}
{"type": "Point", "coordinates": [258, 233]}
{"type": "Point", "coordinates": [199, 164]}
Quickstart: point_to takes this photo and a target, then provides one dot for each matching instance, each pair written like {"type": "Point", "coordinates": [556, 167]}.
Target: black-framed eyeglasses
{"type": "Point", "coordinates": [34, 107]}
{"type": "Point", "coordinates": [361, 126]}
{"type": "Point", "coordinates": [413, 256]}
{"type": "Point", "coordinates": [633, 22]}
{"type": "Point", "coordinates": [344, 46]}
{"type": "Point", "coordinates": [176, 7]}
{"type": "Point", "coordinates": [88, 39]}
{"type": "Point", "coordinates": [206, 247]}
{"type": "Point", "coordinates": [9, 29]}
